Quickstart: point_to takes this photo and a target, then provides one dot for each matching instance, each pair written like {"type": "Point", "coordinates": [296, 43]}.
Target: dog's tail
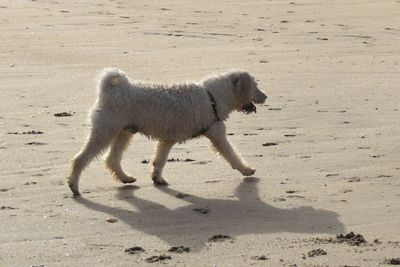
{"type": "Point", "coordinates": [110, 78]}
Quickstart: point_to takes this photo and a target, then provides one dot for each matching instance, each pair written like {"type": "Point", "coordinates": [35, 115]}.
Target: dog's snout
{"type": "Point", "coordinates": [262, 97]}
{"type": "Point", "coordinates": [265, 97]}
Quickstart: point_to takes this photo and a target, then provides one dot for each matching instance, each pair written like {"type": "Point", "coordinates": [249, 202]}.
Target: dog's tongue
{"type": "Point", "coordinates": [249, 108]}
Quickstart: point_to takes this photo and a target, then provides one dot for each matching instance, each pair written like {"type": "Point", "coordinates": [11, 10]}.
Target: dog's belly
{"type": "Point", "coordinates": [172, 134]}
{"type": "Point", "coordinates": [164, 129]}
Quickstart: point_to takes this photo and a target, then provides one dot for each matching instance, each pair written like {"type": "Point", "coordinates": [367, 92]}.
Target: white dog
{"type": "Point", "coordinates": [170, 114]}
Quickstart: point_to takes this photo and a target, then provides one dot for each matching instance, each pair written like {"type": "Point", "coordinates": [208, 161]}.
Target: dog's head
{"type": "Point", "coordinates": [247, 91]}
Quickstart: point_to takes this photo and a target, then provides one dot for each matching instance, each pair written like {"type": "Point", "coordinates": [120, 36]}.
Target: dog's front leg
{"type": "Point", "coordinates": [160, 158]}
{"type": "Point", "coordinates": [217, 136]}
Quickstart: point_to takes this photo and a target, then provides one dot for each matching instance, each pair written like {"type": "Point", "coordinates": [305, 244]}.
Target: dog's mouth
{"type": "Point", "coordinates": [249, 108]}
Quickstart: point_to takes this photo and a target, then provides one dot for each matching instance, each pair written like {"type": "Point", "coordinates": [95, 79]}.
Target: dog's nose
{"type": "Point", "coordinates": [264, 97]}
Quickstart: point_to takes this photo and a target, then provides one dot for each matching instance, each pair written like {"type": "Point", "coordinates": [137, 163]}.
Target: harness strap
{"type": "Point", "coordinates": [214, 106]}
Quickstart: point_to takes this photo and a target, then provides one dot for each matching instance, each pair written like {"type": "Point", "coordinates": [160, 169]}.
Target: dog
{"type": "Point", "coordinates": [170, 114]}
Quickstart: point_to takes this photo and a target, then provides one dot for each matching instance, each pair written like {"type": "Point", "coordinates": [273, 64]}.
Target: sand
{"type": "Point", "coordinates": [325, 144]}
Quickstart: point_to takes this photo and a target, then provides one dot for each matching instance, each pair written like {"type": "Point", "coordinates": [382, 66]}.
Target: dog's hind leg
{"type": "Point", "coordinates": [217, 136]}
{"type": "Point", "coordinates": [160, 158]}
{"type": "Point", "coordinates": [99, 138]}
{"type": "Point", "coordinates": [113, 159]}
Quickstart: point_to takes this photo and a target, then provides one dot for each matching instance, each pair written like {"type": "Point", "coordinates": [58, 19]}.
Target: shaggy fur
{"type": "Point", "coordinates": [170, 114]}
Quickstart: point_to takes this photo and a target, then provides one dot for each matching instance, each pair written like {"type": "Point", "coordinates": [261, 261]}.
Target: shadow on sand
{"type": "Point", "coordinates": [245, 214]}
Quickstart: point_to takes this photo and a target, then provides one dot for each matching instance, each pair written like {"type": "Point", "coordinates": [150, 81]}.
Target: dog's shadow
{"type": "Point", "coordinates": [202, 218]}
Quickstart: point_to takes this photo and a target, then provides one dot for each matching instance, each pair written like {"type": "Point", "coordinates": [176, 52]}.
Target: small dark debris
{"type": "Point", "coordinates": [270, 144]}
{"type": "Point", "coordinates": [291, 191]}
{"type": "Point", "coordinates": [322, 39]}
{"type": "Point", "coordinates": [332, 175]}
{"type": "Point", "coordinates": [111, 220]}
{"type": "Point", "coordinates": [29, 183]}
{"type": "Point", "coordinates": [375, 156]}
{"type": "Point", "coordinates": [145, 161]}
{"type": "Point", "coordinates": [33, 132]}
{"type": "Point", "coordinates": [29, 132]}
{"type": "Point", "coordinates": [219, 238]}
{"type": "Point", "coordinates": [353, 180]}
{"type": "Point", "coordinates": [289, 135]}
{"type": "Point", "coordinates": [351, 239]}
{"type": "Point", "coordinates": [260, 258]}
{"type": "Point", "coordinates": [7, 208]}
{"type": "Point", "coordinates": [153, 259]}
{"type": "Point", "coordinates": [201, 210]}
{"type": "Point", "coordinates": [179, 160]}
{"type": "Point", "coordinates": [63, 114]}
{"type": "Point", "coordinates": [316, 252]}
{"type": "Point", "coordinates": [182, 195]}
{"type": "Point", "coordinates": [384, 176]}
{"type": "Point", "coordinates": [394, 261]}
{"type": "Point", "coordinates": [134, 250]}
{"type": "Point", "coordinates": [3, 189]}
{"type": "Point", "coordinates": [202, 162]}
{"type": "Point", "coordinates": [35, 143]}
{"type": "Point", "coordinates": [179, 249]}
{"type": "Point", "coordinates": [213, 181]}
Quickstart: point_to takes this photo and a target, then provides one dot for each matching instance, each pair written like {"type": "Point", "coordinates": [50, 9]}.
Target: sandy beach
{"type": "Point", "coordinates": [326, 144]}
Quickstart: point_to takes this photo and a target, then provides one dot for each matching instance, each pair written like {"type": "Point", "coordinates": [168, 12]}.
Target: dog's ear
{"type": "Point", "coordinates": [242, 84]}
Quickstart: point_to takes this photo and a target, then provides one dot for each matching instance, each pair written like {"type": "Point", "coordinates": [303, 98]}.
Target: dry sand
{"type": "Point", "coordinates": [331, 71]}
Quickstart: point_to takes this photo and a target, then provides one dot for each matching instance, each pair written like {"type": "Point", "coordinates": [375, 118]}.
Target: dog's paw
{"type": "Point", "coordinates": [158, 180]}
{"type": "Point", "coordinates": [248, 171]}
{"type": "Point", "coordinates": [126, 179]}
{"type": "Point", "coordinates": [74, 189]}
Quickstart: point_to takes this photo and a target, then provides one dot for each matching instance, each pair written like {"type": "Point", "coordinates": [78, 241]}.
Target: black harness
{"type": "Point", "coordinates": [214, 107]}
